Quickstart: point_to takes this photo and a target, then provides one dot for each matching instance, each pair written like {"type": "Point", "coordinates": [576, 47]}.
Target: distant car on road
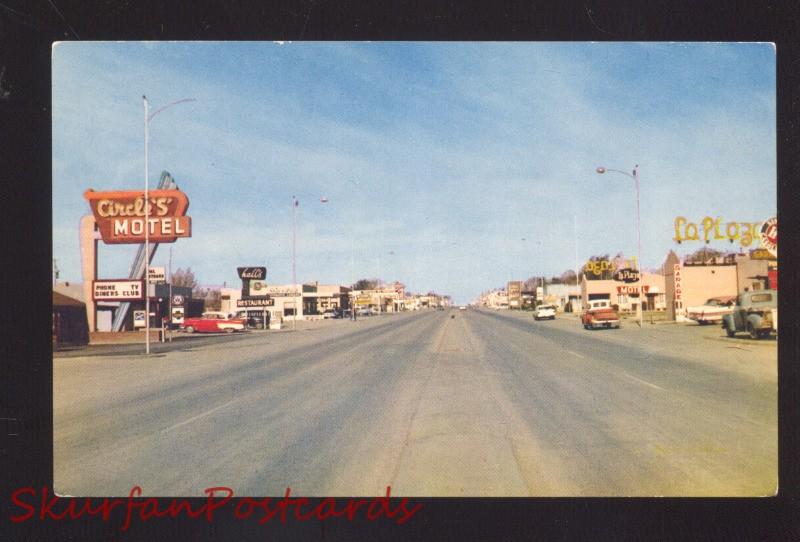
{"type": "Point", "coordinates": [600, 313]}
{"type": "Point", "coordinates": [755, 312]}
{"type": "Point", "coordinates": [545, 312]}
{"type": "Point", "coordinates": [213, 322]}
{"type": "Point", "coordinates": [364, 311]}
{"type": "Point", "coordinates": [712, 310]}
{"type": "Point", "coordinates": [462, 308]}
{"type": "Point", "coordinates": [331, 313]}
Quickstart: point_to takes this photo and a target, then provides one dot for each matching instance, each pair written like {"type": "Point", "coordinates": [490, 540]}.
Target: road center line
{"type": "Point", "coordinates": [576, 354]}
{"type": "Point", "coordinates": [643, 381]}
{"type": "Point", "coordinates": [193, 418]}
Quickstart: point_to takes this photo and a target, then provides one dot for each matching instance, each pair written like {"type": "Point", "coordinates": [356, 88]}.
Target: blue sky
{"type": "Point", "coordinates": [437, 159]}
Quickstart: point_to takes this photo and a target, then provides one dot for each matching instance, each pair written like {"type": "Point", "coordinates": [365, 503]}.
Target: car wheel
{"type": "Point", "coordinates": [189, 329]}
{"type": "Point", "coordinates": [764, 334]}
{"type": "Point", "coordinates": [754, 334]}
{"type": "Point", "coordinates": [730, 332]}
{"type": "Point", "coordinates": [228, 330]}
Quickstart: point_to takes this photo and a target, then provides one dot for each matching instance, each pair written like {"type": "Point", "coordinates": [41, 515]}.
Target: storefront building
{"type": "Point", "coordinates": [626, 296]}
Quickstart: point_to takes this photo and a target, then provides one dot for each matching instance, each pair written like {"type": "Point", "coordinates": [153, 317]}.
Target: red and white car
{"type": "Point", "coordinates": [213, 322]}
{"type": "Point", "coordinates": [712, 311]}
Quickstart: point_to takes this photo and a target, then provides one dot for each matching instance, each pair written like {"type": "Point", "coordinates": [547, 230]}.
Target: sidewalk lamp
{"type": "Point", "coordinates": [147, 118]}
{"type": "Point", "coordinates": [635, 176]}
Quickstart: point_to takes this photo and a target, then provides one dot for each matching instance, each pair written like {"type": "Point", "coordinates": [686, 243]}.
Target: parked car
{"type": "Point", "coordinates": [364, 311]}
{"type": "Point", "coordinates": [253, 320]}
{"type": "Point", "coordinates": [600, 313]}
{"type": "Point", "coordinates": [213, 322]}
{"type": "Point", "coordinates": [545, 312]}
{"type": "Point", "coordinates": [712, 310]}
{"type": "Point", "coordinates": [755, 312]}
{"type": "Point", "coordinates": [329, 314]}
{"type": "Point", "coordinates": [462, 308]}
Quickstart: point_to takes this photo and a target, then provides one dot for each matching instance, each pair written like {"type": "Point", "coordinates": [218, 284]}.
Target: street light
{"type": "Point", "coordinates": [147, 118]}
{"type": "Point", "coordinates": [295, 204]}
{"type": "Point", "coordinates": [635, 176]}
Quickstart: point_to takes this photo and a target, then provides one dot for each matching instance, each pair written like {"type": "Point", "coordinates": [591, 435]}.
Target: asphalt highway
{"type": "Point", "coordinates": [480, 404]}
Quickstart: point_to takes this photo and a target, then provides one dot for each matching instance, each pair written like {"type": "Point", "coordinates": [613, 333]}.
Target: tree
{"type": "Point", "coordinates": [704, 253]}
{"type": "Point", "coordinates": [183, 278]}
{"type": "Point", "coordinates": [365, 284]}
{"type": "Point", "coordinates": [567, 277]}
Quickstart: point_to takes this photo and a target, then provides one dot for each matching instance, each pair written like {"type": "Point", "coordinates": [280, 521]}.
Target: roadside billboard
{"type": "Point", "coordinates": [117, 290]}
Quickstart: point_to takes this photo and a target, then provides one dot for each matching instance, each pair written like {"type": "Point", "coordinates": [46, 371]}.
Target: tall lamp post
{"type": "Point", "coordinates": [295, 204]}
{"type": "Point", "coordinates": [635, 176]}
{"type": "Point", "coordinates": [147, 118]}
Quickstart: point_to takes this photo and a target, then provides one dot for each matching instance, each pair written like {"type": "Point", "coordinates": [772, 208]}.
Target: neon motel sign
{"type": "Point", "coordinates": [122, 217]}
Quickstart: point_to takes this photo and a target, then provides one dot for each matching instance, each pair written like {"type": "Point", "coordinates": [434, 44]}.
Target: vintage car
{"type": "Point", "coordinates": [213, 322]}
{"type": "Point", "coordinates": [712, 310]}
{"type": "Point", "coordinates": [755, 312]}
{"type": "Point", "coordinates": [600, 313]}
{"type": "Point", "coordinates": [545, 312]}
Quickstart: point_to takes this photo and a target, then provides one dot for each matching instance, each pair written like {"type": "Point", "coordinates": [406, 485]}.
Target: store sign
{"type": "Point", "coordinates": [627, 275]}
{"type": "Point", "coordinates": [252, 273]}
{"type": "Point", "coordinates": [177, 300]}
{"type": "Point", "coordinates": [632, 289]}
{"type": "Point", "coordinates": [122, 216]}
{"type": "Point", "coordinates": [177, 315]}
{"type": "Point", "coordinates": [769, 235]}
{"type": "Point", "coordinates": [117, 290]}
{"type": "Point", "coordinates": [157, 275]}
{"type": "Point", "coordinates": [258, 287]}
{"type": "Point", "coordinates": [596, 267]}
{"type": "Point", "coordinates": [761, 254]}
{"type": "Point", "coordinates": [363, 300]}
{"type": "Point", "coordinates": [677, 279]}
{"type": "Point", "coordinates": [713, 229]}
{"type": "Point", "coordinates": [139, 319]}
{"type": "Point", "coordinates": [255, 302]}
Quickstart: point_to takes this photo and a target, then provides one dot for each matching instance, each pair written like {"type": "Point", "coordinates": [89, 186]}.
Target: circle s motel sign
{"type": "Point", "coordinates": [123, 217]}
{"type": "Point", "coordinates": [177, 300]}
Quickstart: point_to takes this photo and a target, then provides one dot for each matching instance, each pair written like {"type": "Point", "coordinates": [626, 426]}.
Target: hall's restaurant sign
{"type": "Point", "coordinates": [120, 215]}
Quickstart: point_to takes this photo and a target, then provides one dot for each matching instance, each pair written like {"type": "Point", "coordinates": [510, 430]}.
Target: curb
{"type": "Point", "coordinates": [743, 342]}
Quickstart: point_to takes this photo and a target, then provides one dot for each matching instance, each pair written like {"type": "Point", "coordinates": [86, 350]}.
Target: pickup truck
{"type": "Point", "coordinates": [755, 312]}
{"type": "Point", "coordinates": [600, 313]}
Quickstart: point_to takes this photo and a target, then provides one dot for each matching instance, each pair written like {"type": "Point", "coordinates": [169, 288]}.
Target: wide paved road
{"type": "Point", "coordinates": [483, 404]}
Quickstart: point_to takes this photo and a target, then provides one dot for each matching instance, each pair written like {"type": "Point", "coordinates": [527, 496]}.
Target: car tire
{"type": "Point", "coordinates": [730, 332]}
{"type": "Point", "coordinates": [754, 334]}
{"type": "Point", "coordinates": [763, 334]}
{"type": "Point", "coordinates": [229, 330]}
{"type": "Point", "coordinates": [189, 329]}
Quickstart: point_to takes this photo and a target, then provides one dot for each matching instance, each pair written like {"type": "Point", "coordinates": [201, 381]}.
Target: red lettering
{"type": "Point", "coordinates": [47, 506]}
{"type": "Point", "coordinates": [30, 508]}
{"type": "Point", "coordinates": [325, 514]}
{"type": "Point", "coordinates": [211, 505]}
{"type": "Point", "coordinates": [408, 514]}
{"type": "Point", "coordinates": [137, 491]}
{"type": "Point", "coordinates": [353, 506]}
{"type": "Point", "coordinates": [297, 504]}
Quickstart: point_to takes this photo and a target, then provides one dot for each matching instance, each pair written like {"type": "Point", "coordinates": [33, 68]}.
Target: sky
{"type": "Point", "coordinates": [450, 166]}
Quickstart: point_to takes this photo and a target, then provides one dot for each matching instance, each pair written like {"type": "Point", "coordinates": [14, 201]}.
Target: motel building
{"type": "Point", "coordinates": [627, 296]}
{"type": "Point", "coordinates": [690, 282]}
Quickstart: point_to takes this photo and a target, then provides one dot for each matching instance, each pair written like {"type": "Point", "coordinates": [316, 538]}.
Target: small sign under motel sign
{"type": "Point", "coordinates": [122, 216]}
{"type": "Point", "coordinates": [117, 290]}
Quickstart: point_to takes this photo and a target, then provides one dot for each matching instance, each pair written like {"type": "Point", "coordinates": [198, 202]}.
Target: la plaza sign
{"type": "Point", "coordinates": [122, 217]}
